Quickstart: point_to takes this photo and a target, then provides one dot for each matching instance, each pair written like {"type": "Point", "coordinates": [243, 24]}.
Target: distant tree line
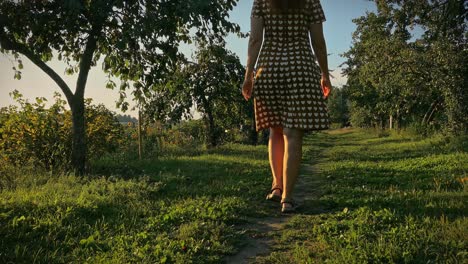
{"type": "Point", "coordinates": [396, 79]}
{"type": "Point", "coordinates": [126, 119]}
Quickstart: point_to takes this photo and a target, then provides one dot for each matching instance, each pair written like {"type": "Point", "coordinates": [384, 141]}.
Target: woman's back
{"type": "Point", "coordinates": [287, 92]}
{"type": "Point", "coordinates": [287, 21]}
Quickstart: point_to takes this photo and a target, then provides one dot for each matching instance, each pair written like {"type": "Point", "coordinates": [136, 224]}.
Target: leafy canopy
{"type": "Point", "coordinates": [136, 40]}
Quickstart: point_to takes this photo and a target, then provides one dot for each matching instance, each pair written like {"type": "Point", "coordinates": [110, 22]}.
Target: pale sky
{"type": "Point", "coordinates": [35, 83]}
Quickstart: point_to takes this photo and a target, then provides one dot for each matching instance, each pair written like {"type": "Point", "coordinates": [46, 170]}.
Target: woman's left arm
{"type": "Point", "coordinates": [255, 44]}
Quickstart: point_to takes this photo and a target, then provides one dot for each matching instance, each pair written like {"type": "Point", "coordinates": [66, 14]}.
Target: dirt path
{"type": "Point", "coordinates": [260, 241]}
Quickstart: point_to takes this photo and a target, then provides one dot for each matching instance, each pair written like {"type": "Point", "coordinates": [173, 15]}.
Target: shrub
{"type": "Point", "coordinates": [33, 134]}
{"type": "Point", "coordinates": [187, 135]}
{"type": "Point", "coordinates": [361, 117]}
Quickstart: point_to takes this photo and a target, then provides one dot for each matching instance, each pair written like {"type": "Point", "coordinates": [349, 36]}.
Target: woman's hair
{"type": "Point", "coordinates": [287, 4]}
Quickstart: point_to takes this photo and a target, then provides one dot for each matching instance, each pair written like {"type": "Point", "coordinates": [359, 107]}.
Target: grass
{"type": "Point", "coordinates": [391, 199]}
{"type": "Point", "coordinates": [171, 209]}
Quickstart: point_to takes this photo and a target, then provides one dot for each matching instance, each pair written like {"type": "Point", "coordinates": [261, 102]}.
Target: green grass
{"type": "Point", "coordinates": [383, 199]}
{"type": "Point", "coordinates": [395, 199]}
{"type": "Point", "coordinates": [172, 209]}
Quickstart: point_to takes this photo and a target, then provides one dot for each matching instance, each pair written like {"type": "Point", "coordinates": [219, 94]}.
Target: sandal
{"type": "Point", "coordinates": [274, 197]}
{"type": "Point", "coordinates": [290, 209]}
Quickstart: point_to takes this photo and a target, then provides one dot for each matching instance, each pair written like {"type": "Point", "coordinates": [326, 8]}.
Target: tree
{"type": "Point", "coordinates": [126, 119]}
{"type": "Point", "coordinates": [136, 41]}
{"type": "Point", "coordinates": [210, 85]}
{"type": "Point", "coordinates": [393, 75]}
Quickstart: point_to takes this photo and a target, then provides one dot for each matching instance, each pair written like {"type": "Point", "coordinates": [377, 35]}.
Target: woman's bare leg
{"type": "Point", "coordinates": [292, 160]}
{"type": "Point", "coordinates": [276, 156]}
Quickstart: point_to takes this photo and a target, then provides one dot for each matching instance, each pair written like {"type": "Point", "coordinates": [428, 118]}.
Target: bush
{"type": "Point", "coordinates": [360, 117]}
{"type": "Point", "coordinates": [104, 133]}
{"type": "Point", "coordinates": [33, 134]}
{"type": "Point", "coordinates": [337, 104]}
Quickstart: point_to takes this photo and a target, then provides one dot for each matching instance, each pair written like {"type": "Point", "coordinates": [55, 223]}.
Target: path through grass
{"type": "Point", "coordinates": [367, 199]}
{"type": "Point", "coordinates": [392, 199]}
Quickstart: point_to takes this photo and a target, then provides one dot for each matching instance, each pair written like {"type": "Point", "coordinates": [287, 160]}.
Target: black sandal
{"type": "Point", "coordinates": [288, 210]}
{"type": "Point", "coordinates": [274, 197]}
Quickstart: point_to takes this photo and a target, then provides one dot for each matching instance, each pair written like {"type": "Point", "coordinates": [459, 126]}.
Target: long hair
{"type": "Point", "coordinates": [287, 4]}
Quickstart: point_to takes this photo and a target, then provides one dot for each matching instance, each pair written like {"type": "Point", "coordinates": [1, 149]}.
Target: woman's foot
{"type": "Point", "coordinates": [288, 206]}
{"type": "Point", "coordinates": [275, 195]}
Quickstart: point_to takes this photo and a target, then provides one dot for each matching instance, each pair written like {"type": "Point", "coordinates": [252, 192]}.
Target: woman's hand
{"type": "Point", "coordinates": [326, 86]}
{"type": "Point", "coordinates": [247, 87]}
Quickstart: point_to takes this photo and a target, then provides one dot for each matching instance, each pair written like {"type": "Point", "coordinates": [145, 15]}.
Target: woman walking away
{"type": "Point", "coordinates": [289, 88]}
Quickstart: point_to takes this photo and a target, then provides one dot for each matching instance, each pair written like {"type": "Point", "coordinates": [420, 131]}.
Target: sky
{"type": "Point", "coordinates": [34, 83]}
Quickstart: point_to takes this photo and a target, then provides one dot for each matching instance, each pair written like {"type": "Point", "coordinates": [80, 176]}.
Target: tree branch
{"type": "Point", "coordinates": [90, 48]}
{"type": "Point", "coordinates": [85, 65]}
{"type": "Point", "coordinates": [23, 49]}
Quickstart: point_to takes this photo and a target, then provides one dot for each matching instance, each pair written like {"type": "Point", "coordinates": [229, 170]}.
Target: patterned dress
{"type": "Point", "coordinates": [287, 91]}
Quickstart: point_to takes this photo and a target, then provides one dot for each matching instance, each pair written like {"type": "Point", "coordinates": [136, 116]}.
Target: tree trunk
{"type": "Point", "coordinates": [391, 122]}
{"type": "Point", "coordinates": [140, 137]}
{"type": "Point", "coordinates": [211, 129]}
{"type": "Point", "coordinates": [212, 137]}
{"type": "Point", "coordinates": [253, 133]}
{"type": "Point", "coordinates": [79, 147]}
{"type": "Point", "coordinates": [78, 159]}
{"type": "Point", "coordinates": [430, 112]}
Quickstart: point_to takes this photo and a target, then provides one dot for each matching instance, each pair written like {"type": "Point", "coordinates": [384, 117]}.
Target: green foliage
{"type": "Point", "coordinates": [211, 86]}
{"type": "Point", "coordinates": [337, 104]}
{"type": "Point", "coordinates": [33, 133]}
{"type": "Point", "coordinates": [103, 132]}
{"type": "Point", "coordinates": [412, 79]}
{"type": "Point", "coordinates": [177, 139]}
{"type": "Point", "coordinates": [361, 117]}
{"type": "Point", "coordinates": [136, 41]}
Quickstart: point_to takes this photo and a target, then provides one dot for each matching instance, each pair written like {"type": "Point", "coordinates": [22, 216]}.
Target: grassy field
{"type": "Point", "coordinates": [179, 209]}
{"type": "Point", "coordinates": [383, 199]}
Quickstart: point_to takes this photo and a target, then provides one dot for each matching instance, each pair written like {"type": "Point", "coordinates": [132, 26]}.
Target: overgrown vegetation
{"type": "Point", "coordinates": [33, 134]}
{"type": "Point", "coordinates": [210, 85]}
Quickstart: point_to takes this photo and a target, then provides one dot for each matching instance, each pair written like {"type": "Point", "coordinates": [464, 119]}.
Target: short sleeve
{"type": "Point", "coordinates": [316, 12]}
{"type": "Point", "coordinates": [257, 9]}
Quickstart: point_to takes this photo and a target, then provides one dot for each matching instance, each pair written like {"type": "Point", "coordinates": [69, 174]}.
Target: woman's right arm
{"type": "Point", "coordinates": [320, 47]}
{"type": "Point", "coordinates": [320, 50]}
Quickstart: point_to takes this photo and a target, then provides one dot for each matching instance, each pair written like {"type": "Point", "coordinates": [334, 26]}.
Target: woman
{"type": "Point", "coordinates": [290, 89]}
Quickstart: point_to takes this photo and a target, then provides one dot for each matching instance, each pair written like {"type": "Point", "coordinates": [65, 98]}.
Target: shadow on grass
{"type": "Point", "coordinates": [221, 187]}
